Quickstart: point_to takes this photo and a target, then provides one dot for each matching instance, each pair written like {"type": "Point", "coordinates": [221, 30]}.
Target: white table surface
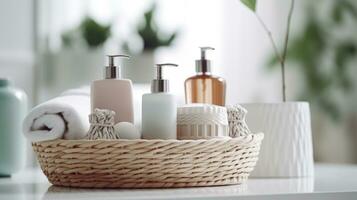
{"type": "Point", "coordinates": [330, 182]}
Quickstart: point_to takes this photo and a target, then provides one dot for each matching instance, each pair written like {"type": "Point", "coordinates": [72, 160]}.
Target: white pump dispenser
{"type": "Point", "coordinates": [114, 93]}
{"type": "Point", "coordinates": [159, 109]}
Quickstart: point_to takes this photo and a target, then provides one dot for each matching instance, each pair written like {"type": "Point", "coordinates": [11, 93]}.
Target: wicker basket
{"type": "Point", "coordinates": [148, 163]}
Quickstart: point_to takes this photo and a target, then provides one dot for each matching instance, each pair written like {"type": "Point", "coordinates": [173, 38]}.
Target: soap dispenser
{"type": "Point", "coordinates": [204, 87]}
{"type": "Point", "coordinates": [159, 109]}
{"type": "Point", "coordinates": [114, 93]}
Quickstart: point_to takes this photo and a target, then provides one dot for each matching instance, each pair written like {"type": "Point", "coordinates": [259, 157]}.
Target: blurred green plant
{"type": "Point", "coordinates": [323, 57]}
{"type": "Point", "coordinates": [93, 33]}
{"type": "Point", "coordinates": [280, 57]}
{"type": "Point", "coordinates": [150, 33]}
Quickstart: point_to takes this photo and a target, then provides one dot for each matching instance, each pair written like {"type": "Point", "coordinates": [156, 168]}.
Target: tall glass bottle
{"type": "Point", "coordinates": [204, 87]}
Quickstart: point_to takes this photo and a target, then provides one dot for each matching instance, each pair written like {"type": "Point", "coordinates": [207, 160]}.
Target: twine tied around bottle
{"type": "Point", "coordinates": [236, 121]}
{"type": "Point", "coordinates": [102, 125]}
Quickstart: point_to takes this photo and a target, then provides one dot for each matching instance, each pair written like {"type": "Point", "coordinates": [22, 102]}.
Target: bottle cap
{"type": "Point", "coordinates": [112, 71]}
{"type": "Point", "coordinates": [159, 84]}
{"type": "Point", "coordinates": [4, 82]}
{"type": "Point", "coordinates": [203, 65]}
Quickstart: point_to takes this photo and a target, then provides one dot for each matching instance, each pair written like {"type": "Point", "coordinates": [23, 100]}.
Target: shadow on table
{"type": "Point", "coordinates": [56, 192]}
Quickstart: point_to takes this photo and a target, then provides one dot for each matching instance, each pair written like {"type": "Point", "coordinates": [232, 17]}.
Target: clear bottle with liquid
{"type": "Point", "coordinates": [205, 87]}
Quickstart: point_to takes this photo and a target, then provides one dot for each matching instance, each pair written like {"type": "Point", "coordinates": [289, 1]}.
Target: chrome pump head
{"type": "Point", "coordinates": [159, 84]}
{"type": "Point", "coordinates": [112, 71]}
{"type": "Point", "coordinates": [203, 65]}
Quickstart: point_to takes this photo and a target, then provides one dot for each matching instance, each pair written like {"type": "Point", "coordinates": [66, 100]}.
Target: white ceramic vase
{"type": "Point", "coordinates": [287, 147]}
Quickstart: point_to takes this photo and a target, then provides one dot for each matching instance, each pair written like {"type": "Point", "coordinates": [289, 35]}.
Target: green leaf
{"type": "Point", "coordinates": [150, 32]}
{"type": "Point", "coordinates": [251, 4]}
{"type": "Point", "coordinates": [94, 34]}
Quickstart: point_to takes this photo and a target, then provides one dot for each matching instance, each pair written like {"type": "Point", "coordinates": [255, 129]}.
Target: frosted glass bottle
{"type": "Point", "coordinates": [13, 107]}
{"type": "Point", "coordinates": [159, 109]}
{"type": "Point", "coordinates": [114, 93]}
{"type": "Point", "coordinates": [159, 116]}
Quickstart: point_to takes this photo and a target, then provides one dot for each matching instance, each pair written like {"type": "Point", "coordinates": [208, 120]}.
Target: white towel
{"type": "Point", "coordinates": [64, 117]}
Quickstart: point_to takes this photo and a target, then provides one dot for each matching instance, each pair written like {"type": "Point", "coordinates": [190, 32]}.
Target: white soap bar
{"type": "Point", "coordinates": [202, 121]}
{"type": "Point", "coordinates": [127, 130]}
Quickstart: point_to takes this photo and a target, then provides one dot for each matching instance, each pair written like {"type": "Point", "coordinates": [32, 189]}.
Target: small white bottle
{"type": "Point", "coordinates": [159, 109]}
{"type": "Point", "coordinates": [114, 93]}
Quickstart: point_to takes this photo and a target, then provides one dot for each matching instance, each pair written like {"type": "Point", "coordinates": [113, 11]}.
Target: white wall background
{"type": "Point", "coordinates": [17, 47]}
{"type": "Point", "coordinates": [240, 42]}
{"type": "Point", "coordinates": [16, 43]}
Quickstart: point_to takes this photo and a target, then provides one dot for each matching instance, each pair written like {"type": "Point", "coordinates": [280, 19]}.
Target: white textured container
{"type": "Point", "coordinates": [201, 121]}
{"type": "Point", "coordinates": [287, 147]}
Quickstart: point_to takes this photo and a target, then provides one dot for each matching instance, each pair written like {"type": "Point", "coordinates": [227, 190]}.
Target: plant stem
{"type": "Point", "coordinates": [281, 57]}
{"type": "Point", "coordinates": [286, 47]}
{"type": "Point", "coordinates": [270, 35]}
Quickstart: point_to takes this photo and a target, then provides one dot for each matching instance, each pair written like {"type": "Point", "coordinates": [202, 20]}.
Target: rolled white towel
{"type": "Point", "coordinates": [65, 117]}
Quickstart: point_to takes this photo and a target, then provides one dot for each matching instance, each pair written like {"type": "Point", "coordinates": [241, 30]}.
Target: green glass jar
{"type": "Point", "coordinates": [13, 108]}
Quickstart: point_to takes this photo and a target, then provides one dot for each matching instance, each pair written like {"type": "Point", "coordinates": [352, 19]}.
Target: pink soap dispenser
{"type": "Point", "coordinates": [114, 93]}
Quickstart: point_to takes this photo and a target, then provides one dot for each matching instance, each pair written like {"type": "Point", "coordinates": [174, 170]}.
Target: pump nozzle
{"type": "Point", "coordinates": [112, 71]}
{"type": "Point", "coordinates": [159, 84]}
{"type": "Point", "coordinates": [159, 69]}
{"type": "Point", "coordinates": [203, 65]}
{"type": "Point", "coordinates": [203, 52]}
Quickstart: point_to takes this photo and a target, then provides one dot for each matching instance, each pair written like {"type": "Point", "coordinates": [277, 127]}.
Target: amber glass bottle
{"type": "Point", "coordinates": [204, 87]}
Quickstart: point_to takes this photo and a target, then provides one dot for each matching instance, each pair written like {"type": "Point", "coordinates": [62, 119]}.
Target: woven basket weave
{"type": "Point", "coordinates": [148, 163]}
